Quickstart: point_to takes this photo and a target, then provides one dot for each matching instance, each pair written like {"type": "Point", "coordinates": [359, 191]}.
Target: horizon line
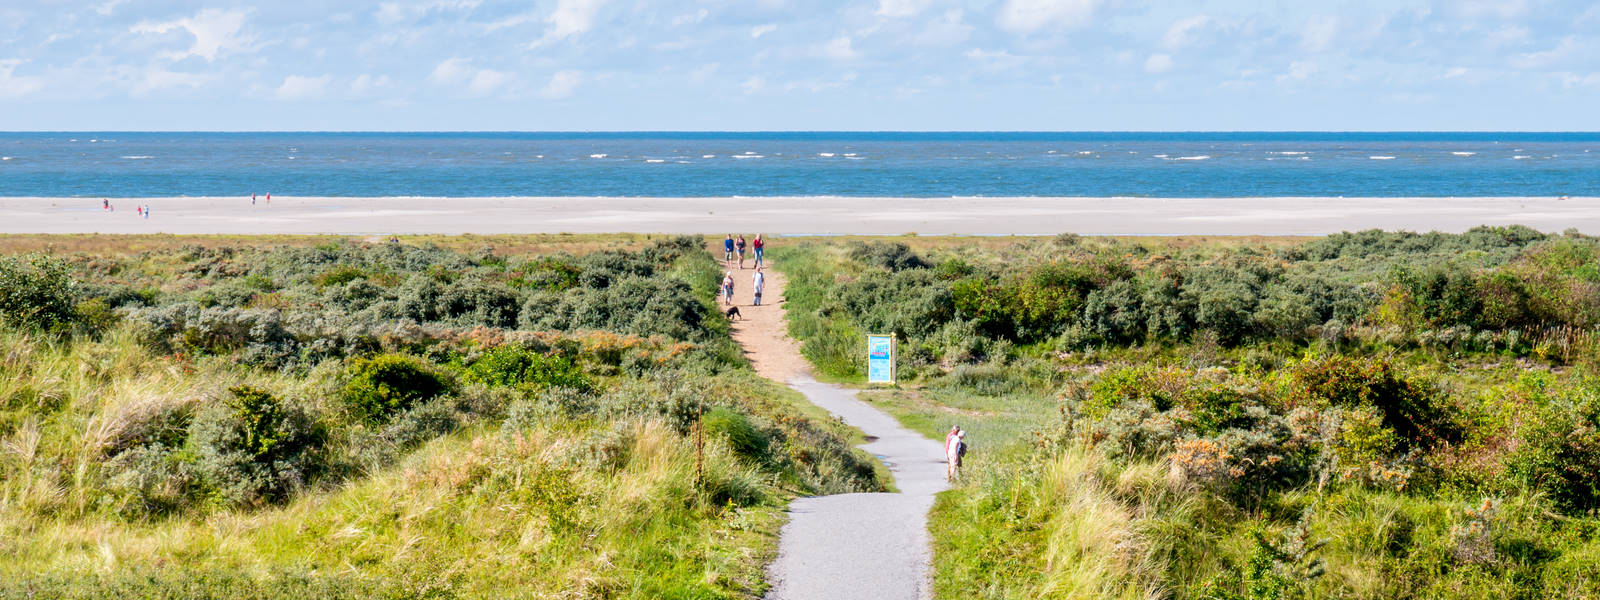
{"type": "Point", "coordinates": [829, 131]}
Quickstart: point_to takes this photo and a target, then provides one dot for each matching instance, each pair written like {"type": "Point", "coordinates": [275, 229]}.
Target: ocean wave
{"type": "Point", "coordinates": [849, 154]}
{"type": "Point", "coordinates": [748, 156]}
{"type": "Point", "coordinates": [137, 157]}
{"type": "Point", "coordinates": [5, 158]}
{"type": "Point", "coordinates": [708, 156]}
{"type": "Point", "coordinates": [597, 155]}
{"type": "Point", "coordinates": [1083, 152]}
{"type": "Point", "coordinates": [1051, 152]}
{"type": "Point", "coordinates": [1521, 157]}
{"type": "Point", "coordinates": [1196, 157]}
{"type": "Point", "coordinates": [1463, 153]}
{"type": "Point", "coordinates": [1288, 152]}
{"type": "Point", "coordinates": [654, 160]}
{"type": "Point", "coordinates": [825, 154]}
{"type": "Point", "coordinates": [1160, 156]}
{"type": "Point", "coordinates": [1381, 157]}
{"type": "Point", "coordinates": [855, 158]}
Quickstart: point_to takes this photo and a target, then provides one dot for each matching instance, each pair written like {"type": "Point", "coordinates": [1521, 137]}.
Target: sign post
{"type": "Point", "coordinates": [880, 358]}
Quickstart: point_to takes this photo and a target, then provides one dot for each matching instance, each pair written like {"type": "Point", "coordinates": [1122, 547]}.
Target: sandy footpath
{"type": "Point", "coordinates": [794, 216]}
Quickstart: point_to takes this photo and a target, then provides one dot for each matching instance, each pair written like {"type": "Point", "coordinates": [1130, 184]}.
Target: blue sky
{"type": "Point", "coordinates": [800, 65]}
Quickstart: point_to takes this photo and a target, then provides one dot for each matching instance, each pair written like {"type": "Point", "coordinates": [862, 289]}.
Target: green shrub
{"type": "Point", "coordinates": [36, 291]}
{"type": "Point", "coordinates": [1414, 411]}
{"type": "Point", "coordinates": [254, 448]}
{"type": "Point", "coordinates": [893, 256]}
{"type": "Point", "coordinates": [380, 386]}
{"type": "Point", "coordinates": [734, 427]}
{"type": "Point", "coordinates": [1560, 453]}
{"type": "Point", "coordinates": [507, 366]}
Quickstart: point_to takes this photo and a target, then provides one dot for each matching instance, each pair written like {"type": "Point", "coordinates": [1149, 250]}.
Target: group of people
{"type": "Point", "coordinates": [736, 245]}
{"type": "Point", "coordinates": [142, 210]}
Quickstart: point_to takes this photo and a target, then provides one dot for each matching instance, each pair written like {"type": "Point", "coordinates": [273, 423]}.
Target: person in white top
{"type": "Point", "coordinates": [727, 287]}
{"type": "Point", "coordinates": [955, 446]}
{"type": "Point", "coordinates": [760, 282]}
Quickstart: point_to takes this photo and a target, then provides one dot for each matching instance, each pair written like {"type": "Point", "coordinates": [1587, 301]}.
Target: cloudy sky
{"type": "Point", "coordinates": [800, 65]}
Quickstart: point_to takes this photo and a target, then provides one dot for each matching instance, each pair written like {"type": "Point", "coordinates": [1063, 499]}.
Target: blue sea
{"type": "Point", "coordinates": [125, 164]}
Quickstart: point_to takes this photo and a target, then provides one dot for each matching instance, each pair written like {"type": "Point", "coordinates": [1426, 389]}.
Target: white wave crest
{"type": "Point", "coordinates": [1521, 157]}
{"type": "Point", "coordinates": [1289, 152]}
{"type": "Point", "coordinates": [748, 156]}
{"type": "Point", "coordinates": [1084, 152]}
{"type": "Point", "coordinates": [849, 154]}
{"type": "Point", "coordinates": [1197, 157]}
{"type": "Point", "coordinates": [138, 157]}
{"type": "Point", "coordinates": [825, 154]}
{"type": "Point", "coordinates": [1463, 153]}
{"type": "Point", "coordinates": [1381, 157]}
{"type": "Point", "coordinates": [1160, 156]}
{"type": "Point", "coordinates": [597, 155]}
{"type": "Point", "coordinates": [654, 160]}
{"type": "Point", "coordinates": [708, 156]}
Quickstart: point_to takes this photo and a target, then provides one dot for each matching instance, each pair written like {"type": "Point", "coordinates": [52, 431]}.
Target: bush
{"type": "Point", "coordinates": [36, 291]}
{"type": "Point", "coordinates": [893, 256]}
{"type": "Point", "coordinates": [383, 385]}
{"type": "Point", "coordinates": [508, 366]}
{"type": "Point", "coordinates": [254, 448]}
{"type": "Point", "coordinates": [1560, 453]}
{"type": "Point", "coordinates": [1411, 409]}
{"type": "Point", "coordinates": [734, 427]}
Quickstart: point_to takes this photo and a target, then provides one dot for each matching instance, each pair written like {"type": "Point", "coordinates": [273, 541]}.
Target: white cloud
{"type": "Point", "coordinates": [561, 84]}
{"type": "Point", "coordinates": [486, 81]}
{"type": "Point", "coordinates": [1493, 9]}
{"type": "Point", "coordinates": [837, 49]}
{"type": "Point", "coordinates": [391, 13]}
{"type": "Point", "coordinates": [995, 59]}
{"type": "Point", "coordinates": [107, 8]}
{"type": "Point", "coordinates": [704, 73]}
{"type": "Point", "coordinates": [1319, 33]}
{"type": "Point", "coordinates": [901, 8]}
{"type": "Point", "coordinates": [947, 30]}
{"type": "Point", "coordinates": [1158, 63]}
{"type": "Point", "coordinates": [760, 30]}
{"type": "Point", "coordinates": [1027, 16]}
{"type": "Point", "coordinates": [1455, 72]}
{"type": "Point", "coordinates": [155, 79]}
{"type": "Point", "coordinates": [571, 17]}
{"type": "Point", "coordinates": [17, 86]}
{"type": "Point", "coordinates": [450, 72]}
{"type": "Point", "coordinates": [297, 87]}
{"type": "Point", "coordinates": [753, 84]}
{"type": "Point", "coordinates": [1183, 31]}
{"type": "Point", "coordinates": [1299, 70]}
{"type": "Point", "coordinates": [216, 32]}
{"type": "Point", "coordinates": [366, 83]}
{"type": "Point", "coordinates": [690, 19]}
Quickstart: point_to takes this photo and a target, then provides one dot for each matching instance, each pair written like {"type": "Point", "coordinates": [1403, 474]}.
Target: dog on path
{"type": "Point", "coordinates": [733, 313]}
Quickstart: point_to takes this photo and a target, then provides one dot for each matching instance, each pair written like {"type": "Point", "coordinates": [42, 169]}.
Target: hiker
{"type": "Point", "coordinates": [727, 249]}
{"type": "Point", "coordinates": [105, 204]}
{"type": "Point", "coordinates": [252, 198]}
{"type": "Point", "coordinates": [137, 210]}
{"type": "Point", "coordinates": [740, 245]}
{"type": "Point", "coordinates": [759, 245]}
{"type": "Point", "coordinates": [760, 282]}
{"type": "Point", "coordinates": [955, 446]}
{"type": "Point", "coordinates": [147, 211]}
{"type": "Point", "coordinates": [727, 287]}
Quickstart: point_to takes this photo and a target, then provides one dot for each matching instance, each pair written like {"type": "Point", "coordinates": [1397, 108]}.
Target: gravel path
{"type": "Point", "coordinates": [868, 546]}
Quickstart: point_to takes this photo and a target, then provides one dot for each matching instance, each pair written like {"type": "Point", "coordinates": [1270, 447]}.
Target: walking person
{"type": "Point", "coordinates": [727, 249]}
{"type": "Point", "coordinates": [955, 446]}
{"type": "Point", "coordinates": [727, 287]}
{"type": "Point", "coordinates": [105, 204]}
{"type": "Point", "coordinates": [252, 198]}
{"type": "Point", "coordinates": [147, 211]}
{"type": "Point", "coordinates": [740, 244]}
{"type": "Point", "coordinates": [759, 283]}
{"type": "Point", "coordinates": [758, 244]}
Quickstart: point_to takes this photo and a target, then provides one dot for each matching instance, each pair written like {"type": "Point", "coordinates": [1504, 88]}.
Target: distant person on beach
{"type": "Point", "coordinates": [269, 197]}
{"type": "Point", "coordinates": [105, 204]}
{"type": "Point", "coordinates": [727, 249]}
{"type": "Point", "coordinates": [759, 283]}
{"type": "Point", "coordinates": [147, 211]}
{"type": "Point", "coordinates": [252, 198]}
{"type": "Point", "coordinates": [138, 210]}
{"type": "Point", "coordinates": [740, 245]}
{"type": "Point", "coordinates": [727, 287]}
{"type": "Point", "coordinates": [758, 245]}
{"type": "Point", "coordinates": [955, 446]}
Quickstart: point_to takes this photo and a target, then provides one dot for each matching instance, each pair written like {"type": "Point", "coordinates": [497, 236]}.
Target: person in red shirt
{"type": "Point", "coordinates": [758, 244]}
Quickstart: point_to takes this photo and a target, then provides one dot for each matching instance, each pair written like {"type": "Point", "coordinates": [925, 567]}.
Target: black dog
{"type": "Point", "coordinates": [733, 312]}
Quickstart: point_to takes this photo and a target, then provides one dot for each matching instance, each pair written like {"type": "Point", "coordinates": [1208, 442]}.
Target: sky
{"type": "Point", "coordinates": [1056, 65]}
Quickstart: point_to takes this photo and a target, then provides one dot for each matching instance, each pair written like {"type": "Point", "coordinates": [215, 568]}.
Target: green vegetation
{"type": "Point", "coordinates": [332, 420]}
{"type": "Point", "coordinates": [1366, 415]}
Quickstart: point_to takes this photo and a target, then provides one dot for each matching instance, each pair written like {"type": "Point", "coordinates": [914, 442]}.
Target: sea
{"type": "Point", "coordinates": [849, 164]}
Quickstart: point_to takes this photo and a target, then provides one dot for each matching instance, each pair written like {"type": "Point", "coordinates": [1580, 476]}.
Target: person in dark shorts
{"type": "Point", "coordinates": [727, 248]}
{"type": "Point", "coordinates": [740, 245]}
{"type": "Point", "coordinates": [758, 244]}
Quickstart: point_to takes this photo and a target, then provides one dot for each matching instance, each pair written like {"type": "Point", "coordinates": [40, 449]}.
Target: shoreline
{"type": "Point", "coordinates": [794, 215]}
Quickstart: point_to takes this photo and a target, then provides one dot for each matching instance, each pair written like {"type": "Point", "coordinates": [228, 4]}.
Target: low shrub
{"type": "Point", "coordinates": [380, 386]}
{"type": "Point", "coordinates": [508, 366]}
{"type": "Point", "coordinates": [36, 291]}
{"type": "Point", "coordinates": [1560, 453]}
{"type": "Point", "coordinates": [254, 448]}
{"type": "Point", "coordinates": [742, 437]}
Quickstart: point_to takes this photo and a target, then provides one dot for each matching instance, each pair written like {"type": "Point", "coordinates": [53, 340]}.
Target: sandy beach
{"type": "Point", "coordinates": [794, 216]}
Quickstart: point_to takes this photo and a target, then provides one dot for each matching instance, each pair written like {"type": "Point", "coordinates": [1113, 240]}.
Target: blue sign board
{"type": "Point", "coordinates": [880, 359]}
